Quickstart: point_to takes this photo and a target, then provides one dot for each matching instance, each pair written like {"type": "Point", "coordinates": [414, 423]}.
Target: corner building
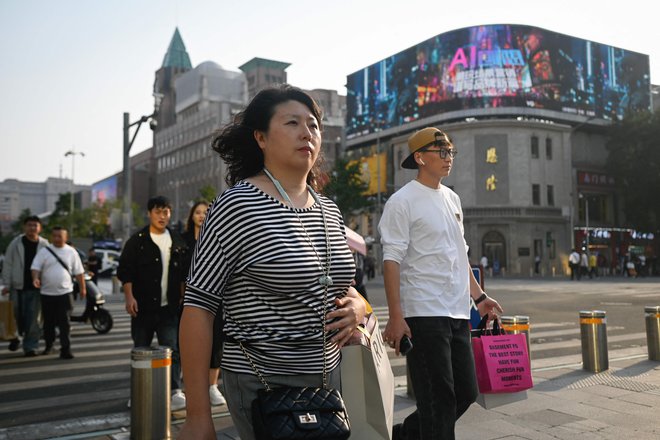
{"type": "Point", "coordinates": [527, 110]}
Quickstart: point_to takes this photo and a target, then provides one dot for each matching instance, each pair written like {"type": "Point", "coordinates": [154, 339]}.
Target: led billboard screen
{"type": "Point", "coordinates": [105, 190]}
{"type": "Point", "coordinates": [498, 66]}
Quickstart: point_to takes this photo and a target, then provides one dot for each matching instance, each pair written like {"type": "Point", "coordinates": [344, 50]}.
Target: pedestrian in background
{"type": "Point", "coordinates": [428, 284]}
{"type": "Point", "coordinates": [191, 235]}
{"type": "Point", "coordinates": [484, 263]}
{"type": "Point", "coordinates": [53, 270]}
{"type": "Point", "coordinates": [574, 264]}
{"type": "Point", "coordinates": [274, 253]}
{"type": "Point", "coordinates": [593, 266]}
{"type": "Point", "coordinates": [537, 264]}
{"type": "Point", "coordinates": [369, 267]}
{"type": "Point", "coordinates": [151, 269]}
{"type": "Point", "coordinates": [93, 265]}
{"type": "Point", "coordinates": [584, 264]}
{"type": "Point", "coordinates": [17, 279]}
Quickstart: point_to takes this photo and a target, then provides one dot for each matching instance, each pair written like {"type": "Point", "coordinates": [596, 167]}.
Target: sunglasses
{"type": "Point", "coordinates": [444, 152]}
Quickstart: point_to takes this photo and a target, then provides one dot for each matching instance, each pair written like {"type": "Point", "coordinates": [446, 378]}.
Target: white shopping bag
{"type": "Point", "coordinates": [490, 401]}
{"type": "Point", "coordinates": [367, 385]}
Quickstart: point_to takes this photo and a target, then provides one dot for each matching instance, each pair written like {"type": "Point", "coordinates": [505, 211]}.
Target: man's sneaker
{"type": "Point", "coordinates": [216, 396]}
{"type": "Point", "coordinates": [66, 354]}
{"type": "Point", "coordinates": [14, 344]}
{"type": "Point", "coordinates": [30, 353]}
{"type": "Point", "coordinates": [178, 400]}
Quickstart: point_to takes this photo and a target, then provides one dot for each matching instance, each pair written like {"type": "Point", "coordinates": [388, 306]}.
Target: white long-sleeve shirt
{"type": "Point", "coordinates": [422, 229]}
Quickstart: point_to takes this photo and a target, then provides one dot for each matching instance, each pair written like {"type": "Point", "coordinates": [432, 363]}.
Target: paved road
{"type": "Point", "coordinates": [96, 383]}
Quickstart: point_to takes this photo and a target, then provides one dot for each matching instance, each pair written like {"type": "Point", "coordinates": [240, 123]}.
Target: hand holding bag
{"type": "Point", "coordinates": [501, 360]}
{"type": "Point", "coordinates": [368, 383]}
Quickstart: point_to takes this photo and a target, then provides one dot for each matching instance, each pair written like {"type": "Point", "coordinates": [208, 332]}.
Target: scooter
{"type": "Point", "coordinates": [100, 318]}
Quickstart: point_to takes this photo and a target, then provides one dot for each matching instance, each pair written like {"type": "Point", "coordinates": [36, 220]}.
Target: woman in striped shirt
{"type": "Point", "coordinates": [270, 251]}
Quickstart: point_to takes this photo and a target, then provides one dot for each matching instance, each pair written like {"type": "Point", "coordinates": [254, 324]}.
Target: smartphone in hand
{"type": "Point", "coordinates": [405, 345]}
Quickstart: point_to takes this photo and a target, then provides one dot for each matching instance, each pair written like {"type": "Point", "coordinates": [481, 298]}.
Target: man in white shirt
{"type": "Point", "coordinates": [52, 271]}
{"type": "Point", "coordinates": [428, 283]}
{"type": "Point", "coordinates": [484, 263]}
{"type": "Point", "coordinates": [574, 264]}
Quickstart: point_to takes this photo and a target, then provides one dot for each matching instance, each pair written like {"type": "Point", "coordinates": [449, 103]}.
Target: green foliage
{"type": "Point", "coordinates": [93, 222]}
{"type": "Point", "coordinates": [17, 226]}
{"type": "Point", "coordinates": [207, 193]}
{"type": "Point", "coordinates": [347, 188]}
{"type": "Point", "coordinates": [634, 162]}
{"type": "Point", "coordinates": [5, 239]}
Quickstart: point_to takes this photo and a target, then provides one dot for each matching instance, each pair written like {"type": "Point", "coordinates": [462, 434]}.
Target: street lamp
{"type": "Point", "coordinates": [128, 143]}
{"type": "Point", "coordinates": [72, 153]}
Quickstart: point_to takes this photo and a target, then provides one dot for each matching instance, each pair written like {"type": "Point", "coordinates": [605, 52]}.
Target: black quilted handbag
{"type": "Point", "coordinates": [300, 413]}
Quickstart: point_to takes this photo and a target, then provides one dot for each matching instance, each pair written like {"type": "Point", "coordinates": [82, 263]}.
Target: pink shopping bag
{"type": "Point", "coordinates": [502, 363]}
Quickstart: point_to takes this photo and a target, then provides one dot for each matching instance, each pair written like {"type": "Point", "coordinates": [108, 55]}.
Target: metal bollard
{"type": "Point", "coordinates": [515, 325]}
{"type": "Point", "coordinates": [593, 330]}
{"type": "Point", "coordinates": [652, 318]}
{"type": "Point", "coordinates": [150, 393]}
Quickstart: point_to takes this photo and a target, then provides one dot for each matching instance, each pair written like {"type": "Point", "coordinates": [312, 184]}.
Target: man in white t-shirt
{"type": "Point", "coordinates": [574, 264]}
{"type": "Point", "coordinates": [52, 271]}
{"type": "Point", "coordinates": [428, 284]}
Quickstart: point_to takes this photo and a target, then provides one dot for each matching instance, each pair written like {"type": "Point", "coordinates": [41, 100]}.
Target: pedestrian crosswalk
{"type": "Point", "coordinates": [97, 381]}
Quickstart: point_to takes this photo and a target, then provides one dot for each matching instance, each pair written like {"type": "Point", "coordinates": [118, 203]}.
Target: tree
{"type": "Point", "coordinates": [346, 187]}
{"type": "Point", "coordinates": [207, 193]}
{"type": "Point", "coordinates": [16, 228]}
{"type": "Point", "coordinates": [93, 222]}
{"type": "Point", "coordinates": [634, 162]}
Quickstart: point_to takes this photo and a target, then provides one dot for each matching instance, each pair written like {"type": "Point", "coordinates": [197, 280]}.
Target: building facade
{"type": "Point", "coordinates": [38, 197]}
{"type": "Point", "coordinates": [527, 110]}
{"type": "Point", "coordinates": [207, 98]}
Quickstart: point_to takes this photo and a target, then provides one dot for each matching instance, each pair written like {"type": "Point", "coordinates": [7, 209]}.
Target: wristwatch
{"type": "Point", "coordinates": [480, 299]}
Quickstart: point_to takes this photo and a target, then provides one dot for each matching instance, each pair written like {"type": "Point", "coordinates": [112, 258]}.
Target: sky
{"type": "Point", "coordinates": [69, 69]}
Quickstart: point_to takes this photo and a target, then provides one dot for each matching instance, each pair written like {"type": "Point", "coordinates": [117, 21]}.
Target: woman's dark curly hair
{"type": "Point", "coordinates": [238, 148]}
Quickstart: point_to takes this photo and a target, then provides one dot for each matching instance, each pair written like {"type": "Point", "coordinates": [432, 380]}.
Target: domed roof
{"type": "Point", "coordinates": [209, 66]}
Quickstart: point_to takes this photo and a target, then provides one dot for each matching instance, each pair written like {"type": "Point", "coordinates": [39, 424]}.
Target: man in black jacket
{"type": "Point", "coordinates": [151, 270]}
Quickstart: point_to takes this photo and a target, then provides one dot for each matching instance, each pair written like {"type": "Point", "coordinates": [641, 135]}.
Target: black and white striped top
{"type": "Point", "coordinates": [254, 257]}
